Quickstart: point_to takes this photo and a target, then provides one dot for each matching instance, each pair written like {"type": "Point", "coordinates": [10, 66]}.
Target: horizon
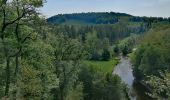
{"type": "Point", "coordinates": [106, 12]}
{"type": "Point", "coordinates": [148, 8]}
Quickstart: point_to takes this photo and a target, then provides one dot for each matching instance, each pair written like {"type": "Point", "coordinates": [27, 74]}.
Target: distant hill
{"type": "Point", "coordinates": [99, 18]}
{"type": "Point", "coordinates": [88, 18]}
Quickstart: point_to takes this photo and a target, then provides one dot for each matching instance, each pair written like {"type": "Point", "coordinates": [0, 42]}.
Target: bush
{"type": "Point", "coordinates": [105, 55]}
{"type": "Point", "coordinates": [125, 50]}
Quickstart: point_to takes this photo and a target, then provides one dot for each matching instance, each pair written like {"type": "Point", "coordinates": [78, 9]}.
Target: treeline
{"type": "Point", "coordinates": [100, 18]}
{"type": "Point", "coordinates": [112, 32]}
{"type": "Point", "coordinates": [152, 60]}
{"type": "Point", "coordinates": [88, 18]}
{"type": "Point", "coordinates": [101, 40]}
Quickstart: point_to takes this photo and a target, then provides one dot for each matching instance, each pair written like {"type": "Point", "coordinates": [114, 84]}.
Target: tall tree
{"type": "Point", "coordinates": [68, 55]}
{"type": "Point", "coordinates": [13, 11]}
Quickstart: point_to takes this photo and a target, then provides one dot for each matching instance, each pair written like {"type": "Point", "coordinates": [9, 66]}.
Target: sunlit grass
{"type": "Point", "coordinates": [104, 66]}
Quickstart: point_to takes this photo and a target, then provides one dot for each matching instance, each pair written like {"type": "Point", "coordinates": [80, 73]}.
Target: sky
{"type": "Point", "coordinates": [156, 8]}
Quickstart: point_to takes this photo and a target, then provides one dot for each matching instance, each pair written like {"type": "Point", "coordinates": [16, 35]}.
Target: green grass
{"type": "Point", "coordinates": [104, 66]}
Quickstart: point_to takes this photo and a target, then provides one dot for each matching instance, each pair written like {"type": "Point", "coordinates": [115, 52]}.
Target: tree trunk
{"type": "Point", "coordinates": [17, 65]}
{"type": "Point", "coordinates": [7, 76]}
{"type": "Point", "coordinates": [61, 93]}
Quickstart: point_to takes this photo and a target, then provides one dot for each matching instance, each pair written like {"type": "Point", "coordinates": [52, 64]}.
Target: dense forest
{"type": "Point", "coordinates": [152, 61]}
{"type": "Point", "coordinates": [72, 56]}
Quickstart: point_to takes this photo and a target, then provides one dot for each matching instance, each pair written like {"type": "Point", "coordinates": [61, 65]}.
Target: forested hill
{"type": "Point", "coordinates": [87, 18]}
{"type": "Point", "coordinates": [99, 18]}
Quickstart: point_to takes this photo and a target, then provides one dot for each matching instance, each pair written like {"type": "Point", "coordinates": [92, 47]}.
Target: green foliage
{"type": "Point", "coordinates": [151, 57]}
{"type": "Point", "coordinates": [76, 93]}
{"type": "Point", "coordinates": [105, 55]}
{"type": "Point", "coordinates": [28, 63]}
{"type": "Point", "coordinates": [160, 86]}
{"type": "Point", "coordinates": [93, 46]}
{"type": "Point", "coordinates": [46, 62]}
{"type": "Point", "coordinates": [128, 44]}
{"type": "Point", "coordinates": [125, 50]}
{"type": "Point", "coordinates": [116, 49]}
{"type": "Point", "coordinates": [105, 86]}
{"type": "Point", "coordinates": [93, 18]}
{"type": "Point", "coordinates": [100, 86]}
{"type": "Point", "coordinates": [87, 18]}
{"type": "Point", "coordinates": [36, 3]}
{"type": "Point", "coordinates": [68, 56]}
{"type": "Point", "coordinates": [28, 84]}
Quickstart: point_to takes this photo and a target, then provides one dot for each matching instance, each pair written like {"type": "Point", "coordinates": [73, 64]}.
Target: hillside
{"type": "Point", "coordinates": [99, 18]}
{"type": "Point", "coordinates": [87, 18]}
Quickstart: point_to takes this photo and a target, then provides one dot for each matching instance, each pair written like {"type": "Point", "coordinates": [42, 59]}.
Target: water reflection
{"type": "Point", "coordinates": [125, 72]}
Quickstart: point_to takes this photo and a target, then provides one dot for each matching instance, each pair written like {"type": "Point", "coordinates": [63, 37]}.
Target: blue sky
{"type": "Point", "coordinates": [134, 7]}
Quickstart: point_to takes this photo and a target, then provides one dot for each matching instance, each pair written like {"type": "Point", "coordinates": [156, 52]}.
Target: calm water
{"type": "Point", "coordinates": [124, 71]}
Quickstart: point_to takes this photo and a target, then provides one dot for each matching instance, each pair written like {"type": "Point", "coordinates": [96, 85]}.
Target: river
{"type": "Point", "coordinates": [125, 72]}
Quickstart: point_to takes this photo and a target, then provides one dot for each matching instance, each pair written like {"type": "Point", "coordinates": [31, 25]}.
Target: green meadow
{"type": "Point", "coordinates": [104, 66]}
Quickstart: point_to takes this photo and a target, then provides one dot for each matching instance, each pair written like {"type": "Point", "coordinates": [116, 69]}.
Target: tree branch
{"type": "Point", "coordinates": [16, 52]}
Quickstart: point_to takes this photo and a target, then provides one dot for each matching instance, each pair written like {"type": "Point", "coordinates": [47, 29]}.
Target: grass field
{"type": "Point", "coordinates": [104, 66]}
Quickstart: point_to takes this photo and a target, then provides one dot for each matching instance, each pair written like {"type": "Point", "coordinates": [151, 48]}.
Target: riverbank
{"type": "Point", "coordinates": [142, 90]}
{"type": "Point", "coordinates": [125, 72]}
